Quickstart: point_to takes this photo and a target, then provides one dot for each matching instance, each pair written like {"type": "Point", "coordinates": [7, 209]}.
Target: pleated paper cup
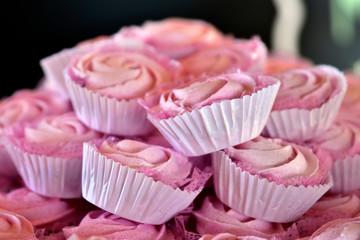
{"type": "Point", "coordinates": [346, 174]}
{"type": "Point", "coordinates": [220, 125]}
{"type": "Point", "coordinates": [303, 124]}
{"type": "Point", "coordinates": [125, 192]}
{"type": "Point", "coordinates": [258, 198]}
{"type": "Point", "coordinates": [48, 176]}
{"type": "Point", "coordinates": [108, 115]}
{"type": "Point", "coordinates": [7, 168]}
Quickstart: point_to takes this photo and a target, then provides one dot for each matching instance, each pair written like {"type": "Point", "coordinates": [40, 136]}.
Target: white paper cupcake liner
{"type": "Point", "coordinates": [258, 198]}
{"type": "Point", "coordinates": [220, 125]}
{"type": "Point", "coordinates": [303, 124]}
{"type": "Point", "coordinates": [49, 176]}
{"type": "Point", "coordinates": [108, 115]}
{"type": "Point", "coordinates": [7, 167]}
{"type": "Point", "coordinates": [346, 174]}
{"type": "Point", "coordinates": [125, 192]}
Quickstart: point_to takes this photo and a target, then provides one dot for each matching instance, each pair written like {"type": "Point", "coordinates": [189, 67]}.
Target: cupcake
{"type": "Point", "coordinates": [138, 181]}
{"type": "Point", "coordinates": [327, 209]}
{"type": "Point", "coordinates": [307, 103]}
{"type": "Point", "coordinates": [48, 154]}
{"type": "Point", "coordinates": [342, 142]}
{"type": "Point", "coordinates": [270, 179]}
{"type": "Point", "coordinates": [26, 106]}
{"type": "Point", "coordinates": [104, 88]}
{"type": "Point", "coordinates": [214, 218]}
{"type": "Point", "coordinates": [174, 37]}
{"type": "Point", "coordinates": [15, 227]}
{"type": "Point", "coordinates": [100, 224]}
{"type": "Point", "coordinates": [210, 114]}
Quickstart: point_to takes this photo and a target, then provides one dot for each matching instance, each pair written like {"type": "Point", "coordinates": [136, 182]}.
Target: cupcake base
{"type": "Point", "coordinates": [346, 174]}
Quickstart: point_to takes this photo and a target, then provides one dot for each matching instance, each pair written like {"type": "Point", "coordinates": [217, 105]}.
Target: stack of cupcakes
{"type": "Point", "coordinates": [173, 130]}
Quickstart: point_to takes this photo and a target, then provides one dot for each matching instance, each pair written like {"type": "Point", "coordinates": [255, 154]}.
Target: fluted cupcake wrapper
{"type": "Point", "coordinates": [49, 176]}
{"type": "Point", "coordinates": [346, 174]}
{"type": "Point", "coordinates": [220, 125]}
{"type": "Point", "coordinates": [7, 168]}
{"type": "Point", "coordinates": [125, 192]}
{"type": "Point", "coordinates": [258, 198]}
{"type": "Point", "coordinates": [108, 115]}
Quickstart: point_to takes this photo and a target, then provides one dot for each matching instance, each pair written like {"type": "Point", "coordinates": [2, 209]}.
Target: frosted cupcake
{"type": "Point", "coordinates": [104, 87]}
{"type": "Point", "coordinates": [100, 224]}
{"type": "Point", "coordinates": [15, 227]}
{"type": "Point", "coordinates": [137, 181]}
{"type": "Point", "coordinates": [174, 37]}
{"type": "Point", "coordinates": [213, 113]}
{"type": "Point", "coordinates": [270, 179]}
{"type": "Point", "coordinates": [307, 103]}
{"type": "Point", "coordinates": [48, 154]}
{"type": "Point", "coordinates": [214, 218]}
{"type": "Point", "coordinates": [342, 141]}
{"type": "Point", "coordinates": [26, 106]}
{"type": "Point", "coordinates": [327, 209]}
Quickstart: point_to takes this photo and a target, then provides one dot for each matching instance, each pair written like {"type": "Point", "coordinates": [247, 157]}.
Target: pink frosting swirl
{"type": "Point", "coordinates": [15, 227]}
{"type": "Point", "coordinates": [29, 106]}
{"type": "Point", "coordinates": [327, 209]}
{"type": "Point", "coordinates": [246, 55]}
{"type": "Point", "coordinates": [54, 135]}
{"type": "Point", "coordinates": [122, 74]}
{"type": "Point", "coordinates": [111, 227]}
{"type": "Point", "coordinates": [282, 162]}
{"type": "Point", "coordinates": [214, 217]}
{"type": "Point", "coordinates": [279, 62]}
{"type": "Point", "coordinates": [203, 92]}
{"type": "Point", "coordinates": [308, 88]}
{"type": "Point", "coordinates": [229, 236]}
{"type": "Point", "coordinates": [174, 37]}
{"type": "Point", "coordinates": [39, 210]}
{"type": "Point", "coordinates": [157, 162]}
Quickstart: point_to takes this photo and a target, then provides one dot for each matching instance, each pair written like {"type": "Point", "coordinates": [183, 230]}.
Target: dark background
{"type": "Point", "coordinates": [35, 29]}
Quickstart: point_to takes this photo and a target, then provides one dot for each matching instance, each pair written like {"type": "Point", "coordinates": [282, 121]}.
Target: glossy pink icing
{"type": "Point", "coordinates": [214, 217]}
{"type": "Point", "coordinates": [229, 236]}
{"type": "Point", "coordinates": [280, 161]}
{"type": "Point", "coordinates": [111, 227]}
{"type": "Point", "coordinates": [278, 62]}
{"type": "Point", "coordinates": [308, 88]}
{"type": "Point", "coordinates": [174, 37]}
{"type": "Point", "coordinates": [205, 91]}
{"type": "Point", "coordinates": [15, 227]}
{"type": "Point", "coordinates": [246, 55]}
{"type": "Point", "coordinates": [158, 162]}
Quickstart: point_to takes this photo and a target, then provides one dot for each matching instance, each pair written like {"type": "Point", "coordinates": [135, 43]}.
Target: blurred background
{"type": "Point", "coordinates": [39, 28]}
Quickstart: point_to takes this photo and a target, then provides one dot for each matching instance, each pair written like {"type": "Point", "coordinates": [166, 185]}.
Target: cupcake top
{"type": "Point", "coordinates": [206, 91]}
{"type": "Point", "coordinates": [123, 74]}
{"type": "Point", "coordinates": [341, 140]}
{"type": "Point", "coordinates": [214, 217]}
{"type": "Point", "coordinates": [54, 135]}
{"type": "Point", "coordinates": [102, 224]}
{"type": "Point", "coordinates": [174, 37]}
{"type": "Point", "coordinates": [278, 62]}
{"type": "Point", "coordinates": [326, 209]}
{"type": "Point", "coordinates": [14, 226]}
{"type": "Point", "coordinates": [351, 101]}
{"type": "Point", "coordinates": [29, 106]}
{"type": "Point", "coordinates": [162, 164]}
{"type": "Point", "coordinates": [308, 88]}
{"type": "Point", "coordinates": [282, 162]}
{"type": "Point", "coordinates": [246, 55]}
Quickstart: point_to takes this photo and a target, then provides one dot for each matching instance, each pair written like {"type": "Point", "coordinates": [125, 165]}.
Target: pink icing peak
{"type": "Point", "coordinates": [281, 162]}
{"type": "Point", "coordinates": [15, 226]}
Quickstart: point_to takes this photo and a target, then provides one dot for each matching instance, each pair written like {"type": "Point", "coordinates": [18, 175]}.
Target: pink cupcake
{"type": "Point", "coordinates": [15, 227]}
{"type": "Point", "coordinates": [48, 154]}
{"type": "Point", "coordinates": [278, 62]}
{"type": "Point", "coordinates": [307, 103]}
{"type": "Point", "coordinates": [246, 55]}
{"type": "Point", "coordinates": [270, 179]}
{"type": "Point", "coordinates": [137, 181]}
{"type": "Point", "coordinates": [174, 37]}
{"type": "Point", "coordinates": [214, 218]}
{"type": "Point", "coordinates": [104, 88]}
{"type": "Point", "coordinates": [327, 209]}
{"type": "Point", "coordinates": [213, 113]}
{"type": "Point", "coordinates": [26, 106]}
{"type": "Point", "coordinates": [342, 141]}
{"type": "Point", "coordinates": [99, 224]}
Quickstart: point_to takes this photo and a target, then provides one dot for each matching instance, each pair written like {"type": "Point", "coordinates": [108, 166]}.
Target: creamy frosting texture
{"type": "Point", "coordinates": [278, 62]}
{"type": "Point", "coordinates": [15, 227]}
